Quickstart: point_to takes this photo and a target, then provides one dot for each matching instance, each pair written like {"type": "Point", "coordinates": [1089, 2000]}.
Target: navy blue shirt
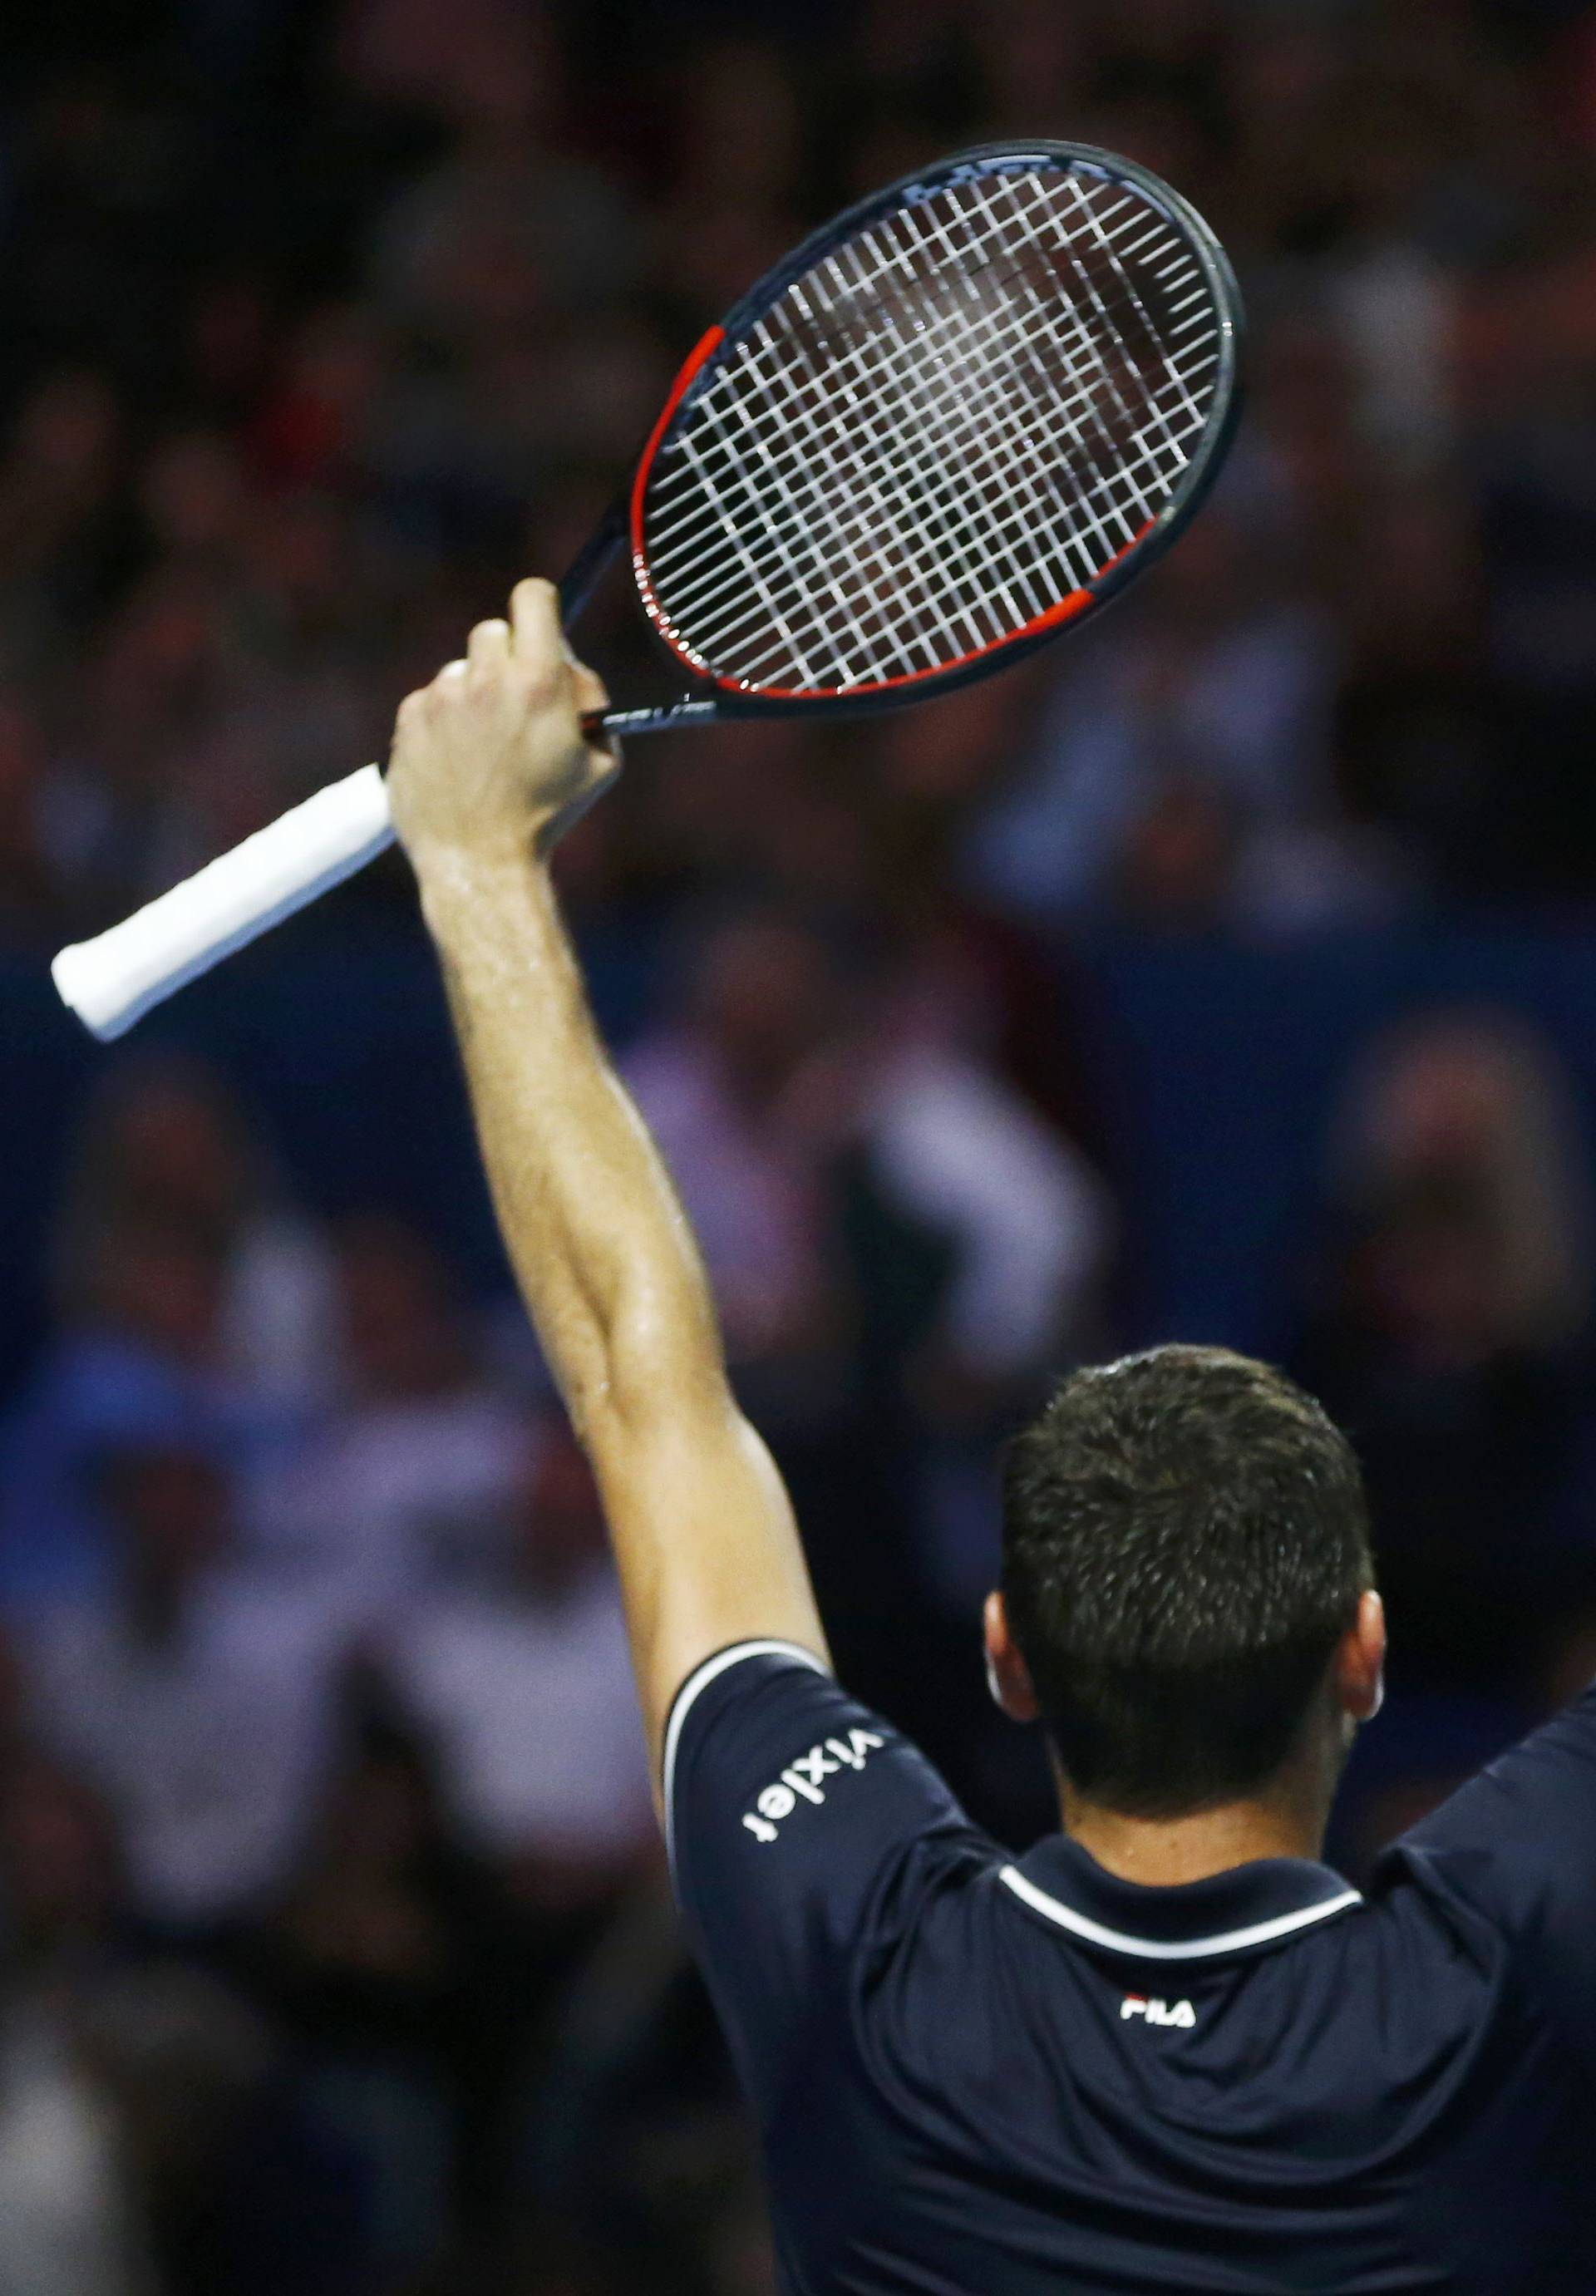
{"type": "Point", "coordinates": [980, 2076]}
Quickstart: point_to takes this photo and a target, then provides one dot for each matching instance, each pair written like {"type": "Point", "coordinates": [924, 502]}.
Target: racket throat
{"type": "Point", "coordinates": [665, 719]}
{"type": "Point", "coordinates": [592, 562]}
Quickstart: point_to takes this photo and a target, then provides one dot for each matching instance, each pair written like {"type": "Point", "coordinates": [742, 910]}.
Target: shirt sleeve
{"type": "Point", "coordinates": [1519, 1843]}
{"type": "Point", "coordinates": [804, 1831]}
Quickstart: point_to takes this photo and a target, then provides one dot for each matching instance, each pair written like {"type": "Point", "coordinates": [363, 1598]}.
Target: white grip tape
{"type": "Point", "coordinates": [109, 982]}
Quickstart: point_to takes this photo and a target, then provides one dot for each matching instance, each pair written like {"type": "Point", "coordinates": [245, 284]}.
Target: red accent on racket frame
{"type": "Point", "coordinates": [709, 343]}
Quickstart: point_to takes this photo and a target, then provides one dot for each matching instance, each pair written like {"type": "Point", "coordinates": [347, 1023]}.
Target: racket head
{"type": "Point", "coordinates": [861, 494]}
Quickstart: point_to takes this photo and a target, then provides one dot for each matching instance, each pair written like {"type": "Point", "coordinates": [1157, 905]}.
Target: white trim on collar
{"type": "Point", "coordinates": [699, 1680]}
{"type": "Point", "coordinates": [1161, 1949]}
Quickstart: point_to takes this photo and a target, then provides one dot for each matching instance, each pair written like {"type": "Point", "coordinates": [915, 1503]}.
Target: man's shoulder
{"type": "Point", "coordinates": [806, 1834]}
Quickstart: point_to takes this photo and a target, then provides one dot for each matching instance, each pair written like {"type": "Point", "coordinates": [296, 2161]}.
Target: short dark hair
{"type": "Point", "coordinates": [1185, 1540]}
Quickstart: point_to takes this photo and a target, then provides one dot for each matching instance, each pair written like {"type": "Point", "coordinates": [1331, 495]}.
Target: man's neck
{"type": "Point", "coordinates": [1163, 1851]}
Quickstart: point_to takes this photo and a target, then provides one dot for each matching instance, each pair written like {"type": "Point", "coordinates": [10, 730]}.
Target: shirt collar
{"type": "Point", "coordinates": [1246, 1909]}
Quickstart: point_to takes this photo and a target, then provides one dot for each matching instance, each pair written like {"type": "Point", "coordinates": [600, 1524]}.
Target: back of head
{"type": "Point", "coordinates": [1185, 1540]}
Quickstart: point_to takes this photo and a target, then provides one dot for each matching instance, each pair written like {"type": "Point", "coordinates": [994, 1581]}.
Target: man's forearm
{"type": "Point", "coordinates": [604, 1254]}
{"type": "Point", "coordinates": [488, 763]}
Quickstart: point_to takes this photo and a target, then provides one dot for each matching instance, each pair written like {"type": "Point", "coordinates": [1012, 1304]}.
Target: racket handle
{"type": "Point", "coordinates": [111, 981]}
{"type": "Point", "coordinates": [114, 979]}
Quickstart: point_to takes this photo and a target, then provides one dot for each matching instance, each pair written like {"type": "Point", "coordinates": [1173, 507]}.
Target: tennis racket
{"type": "Point", "coordinates": [964, 415]}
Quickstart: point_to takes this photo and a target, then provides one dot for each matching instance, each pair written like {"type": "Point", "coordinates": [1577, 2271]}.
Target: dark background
{"type": "Point", "coordinates": [1229, 972]}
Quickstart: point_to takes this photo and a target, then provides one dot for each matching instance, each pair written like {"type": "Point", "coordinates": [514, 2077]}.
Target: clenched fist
{"type": "Point", "coordinates": [489, 761]}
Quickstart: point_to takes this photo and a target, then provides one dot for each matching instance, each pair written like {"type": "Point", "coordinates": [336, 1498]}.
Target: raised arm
{"type": "Point", "coordinates": [489, 765]}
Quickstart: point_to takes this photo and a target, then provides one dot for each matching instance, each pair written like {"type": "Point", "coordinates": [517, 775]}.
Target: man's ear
{"type": "Point", "coordinates": [1360, 1663]}
{"type": "Point", "coordinates": [1008, 1677]}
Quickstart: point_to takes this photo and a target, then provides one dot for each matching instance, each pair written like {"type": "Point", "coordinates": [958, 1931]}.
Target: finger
{"type": "Point", "coordinates": [539, 641]}
{"type": "Point", "coordinates": [450, 677]}
{"type": "Point", "coordinates": [488, 645]}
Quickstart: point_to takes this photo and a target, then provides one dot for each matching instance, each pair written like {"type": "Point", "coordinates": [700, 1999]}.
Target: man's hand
{"type": "Point", "coordinates": [489, 761]}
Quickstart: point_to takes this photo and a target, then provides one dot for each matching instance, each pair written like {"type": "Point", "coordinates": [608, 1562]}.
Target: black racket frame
{"type": "Point", "coordinates": [705, 701]}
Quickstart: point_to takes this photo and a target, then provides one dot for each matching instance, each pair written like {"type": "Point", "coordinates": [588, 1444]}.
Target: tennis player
{"type": "Point", "coordinates": [1168, 2049]}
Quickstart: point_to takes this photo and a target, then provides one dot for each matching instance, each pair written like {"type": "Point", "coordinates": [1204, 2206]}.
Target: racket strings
{"type": "Point", "coordinates": [984, 600]}
{"type": "Point", "coordinates": [1142, 444]}
{"type": "Point", "coordinates": [933, 456]}
{"type": "Point", "coordinates": [954, 421]}
{"type": "Point", "coordinates": [990, 407]}
{"type": "Point", "coordinates": [1120, 531]}
{"type": "Point", "coordinates": [933, 443]}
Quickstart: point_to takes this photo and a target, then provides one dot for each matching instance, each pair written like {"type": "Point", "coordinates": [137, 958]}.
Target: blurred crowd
{"type": "Point", "coordinates": [335, 1948]}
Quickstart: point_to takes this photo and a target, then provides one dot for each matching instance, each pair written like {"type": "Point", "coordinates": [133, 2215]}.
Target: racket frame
{"type": "Point", "coordinates": [705, 697]}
